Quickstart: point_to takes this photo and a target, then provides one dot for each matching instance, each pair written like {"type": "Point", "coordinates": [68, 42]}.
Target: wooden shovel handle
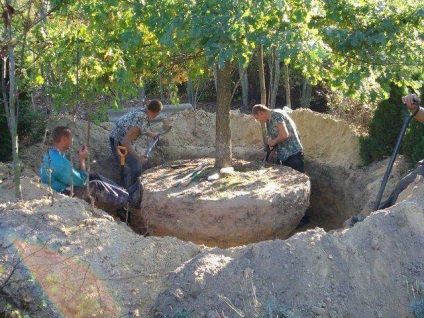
{"type": "Point", "coordinates": [122, 152]}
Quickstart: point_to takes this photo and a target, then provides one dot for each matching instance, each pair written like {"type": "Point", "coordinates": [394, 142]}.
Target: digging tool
{"type": "Point", "coordinates": [182, 165]}
{"type": "Point", "coordinates": [270, 151]}
{"type": "Point", "coordinates": [122, 152]}
{"type": "Point", "coordinates": [153, 144]}
{"type": "Point", "coordinates": [185, 181]}
{"type": "Point", "coordinates": [406, 121]}
{"type": "Point", "coordinates": [195, 175]}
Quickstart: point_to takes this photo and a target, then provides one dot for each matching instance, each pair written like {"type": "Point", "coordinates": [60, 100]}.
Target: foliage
{"type": "Point", "coordinates": [384, 128]}
{"type": "Point", "coordinates": [84, 49]}
{"type": "Point", "coordinates": [351, 110]}
{"type": "Point", "coordinates": [372, 42]}
{"type": "Point", "coordinates": [413, 142]}
{"type": "Point", "coordinates": [31, 127]}
{"type": "Point", "coordinates": [384, 131]}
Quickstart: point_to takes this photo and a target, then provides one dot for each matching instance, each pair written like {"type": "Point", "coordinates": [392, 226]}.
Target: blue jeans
{"type": "Point", "coordinates": [132, 169]}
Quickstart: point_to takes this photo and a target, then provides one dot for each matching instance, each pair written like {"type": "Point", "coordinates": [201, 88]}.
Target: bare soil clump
{"type": "Point", "coordinates": [373, 269]}
{"type": "Point", "coordinates": [251, 204]}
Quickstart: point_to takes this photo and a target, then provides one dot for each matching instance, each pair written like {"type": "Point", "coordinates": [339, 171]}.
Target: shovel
{"type": "Point", "coordinates": [406, 122]}
{"type": "Point", "coordinates": [153, 144]}
{"type": "Point", "coordinates": [122, 152]}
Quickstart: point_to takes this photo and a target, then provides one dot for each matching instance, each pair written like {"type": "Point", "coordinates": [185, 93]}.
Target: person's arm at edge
{"type": "Point", "coordinates": [412, 101]}
{"type": "Point", "coordinates": [82, 157]}
{"type": "Point", "coordinates": [420, 115]}
{"type": "Point", "coordinates": [131, 135]}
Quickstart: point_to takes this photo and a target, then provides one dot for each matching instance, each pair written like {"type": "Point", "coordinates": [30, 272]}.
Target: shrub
{"type": "Point", "coordinates": [384, 128]}
{"type": "Point", "coordinates": [413, 142]}
{"type": "Point", "coordinates": [31, 126]}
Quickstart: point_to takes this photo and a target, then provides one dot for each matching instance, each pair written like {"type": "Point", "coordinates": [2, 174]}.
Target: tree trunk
{"type": "Point", "coordinates": [244, 87]}
{"type": "Point", "coordinates": [9, 98]}
{"type": "Point", "coordinates": [262, 75]}
{"type": "Point", "coordinates": [215, 76]}
{"type": "Point", "coordinates": [162, 94]}
{"type": "Point", "coordinates": [196, 93]}
{"type": "Point", "coordinates": [276, 82]}
{"type": "Point", "coordinates": [223, 154]}
{"type": "Point", "coordinates": [190, 91]}
{"type": "Point", "coordinates": [287, 85]}
{"type": "Point", "coordinates": [305, 99]}
{"type": "Point", "coordinates": [271, 75]}
{"type": "Point", "coordinates": [262, 89]}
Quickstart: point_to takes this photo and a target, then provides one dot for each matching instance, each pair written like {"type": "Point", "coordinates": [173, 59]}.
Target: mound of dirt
{"type": "Point", "coordinates": [79, 262]}
{"type": "Point", "coordinates": [193, 136]}
{"type": "Point", "coordinates": [252, 204]}
{"type": "Point", "coordinates": [69, 259]}
{"type": "Point", "coordinates": [371, 270]}
{"type": "Point", "coordinates": [326, 139]}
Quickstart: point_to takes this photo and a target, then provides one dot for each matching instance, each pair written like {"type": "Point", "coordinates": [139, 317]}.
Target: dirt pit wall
{"type": "Point", "coordinates": [340, 188]}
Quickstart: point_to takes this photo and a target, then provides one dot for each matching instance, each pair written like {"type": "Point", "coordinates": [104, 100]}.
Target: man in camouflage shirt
{"type": "Point", "coordinates": [282, 136]}
{"type": "Point", "coordinates": [126, 130]}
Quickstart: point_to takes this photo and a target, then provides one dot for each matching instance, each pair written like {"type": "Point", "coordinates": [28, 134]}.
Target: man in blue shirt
{"type": "Point", "coordinates": [57, 172]}
{"type": "Point", "coordinates": [282, 136]}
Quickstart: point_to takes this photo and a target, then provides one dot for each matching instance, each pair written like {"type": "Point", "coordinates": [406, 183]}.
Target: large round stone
{"type": "Point", "coordinates": [252, 204]}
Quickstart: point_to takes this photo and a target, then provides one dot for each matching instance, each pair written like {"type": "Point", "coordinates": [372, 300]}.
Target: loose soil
{"type": "Point", "coordinates": [373, 269]}
{"type": "Point", "coordinates": [253, 203]}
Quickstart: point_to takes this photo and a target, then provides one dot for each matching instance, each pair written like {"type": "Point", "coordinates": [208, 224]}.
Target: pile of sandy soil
{"type": "Point", "coordinates": [193, 136]}
{"type": "Point", "coordinates": [326, 139]}
{"type": "Point", "coordinates": [374, 269]}
{"type": "Point", "coordinates": [97, 266]}
{"type": "Point", "coordinates": [83, 263]}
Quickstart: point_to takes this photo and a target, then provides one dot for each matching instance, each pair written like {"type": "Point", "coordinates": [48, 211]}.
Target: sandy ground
{"type": "Point", "coordinates": [99, 267]}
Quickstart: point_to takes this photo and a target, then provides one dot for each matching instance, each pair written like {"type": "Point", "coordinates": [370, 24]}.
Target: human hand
{"type": "Point", "coordinates": [411, 101]}
{"type": "Point", "coordinates": [143, 159]}
{"type": "Point", "coordinates": [83, 152]}
{"type": "Point", "coordinates": [270, 142]}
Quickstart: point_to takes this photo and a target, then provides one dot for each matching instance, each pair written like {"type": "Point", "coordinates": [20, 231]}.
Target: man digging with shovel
{"type": "Point", "coordinates": [126, 130]}
{"type": "Point", "coordinates": [412, 102]}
